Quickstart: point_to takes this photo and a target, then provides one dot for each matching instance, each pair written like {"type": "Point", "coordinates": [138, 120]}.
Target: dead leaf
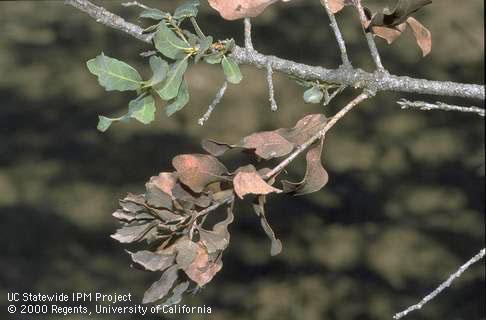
{"type": "Point", "coordinates": [157, 198]}
{"type": "Point", "coordinates": [315, 177]}
{"type": "Point", "coordinates": [403, 9]}
{"type": "Point", "coordinates": [305, 128]}
{"type": "Point", "coordinates": [165, 181]}
{"type": "Point", "coordinates": [215, 148]}
{"type": "Point", "coordinates": [248, 181]}
{"type": "Point", "coordinates": [268, 144]}
{"type": "Point", "coordinates": [422, 35]}
{"type": "Point", "coordinates": [203, 268]}
{"type": "Point", "coordinates": [218, 239]}
{"type": "Point", "coordinates": [161, 288]}
{"type": "Point", "coordinates": [132, 232]}
{"type": "Point", "coordinates": [237, 9]}
{"type": "Point", "coordinates": [336, 5]}
{"type": "Point", "coordinates": [152, 261]}
{"type": "Point", "coordinates": [389, 34]}
{"type": "Point", "coordinates": [198, 170]}
{"type": "Point", "coordinates": [259, 208]}
{"type": "Point", "coordinates": [182, 193]}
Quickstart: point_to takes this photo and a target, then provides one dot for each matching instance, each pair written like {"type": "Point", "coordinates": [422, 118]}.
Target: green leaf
{"type": "Point", "coordinates": [231, 70]}
{"type": "Point", "coordinates": [180, 101]}
{"type": "Point", "coordinates": [313, 95]}
{"type": "Point", "coordinates": [204, 46]}
{"type": "Point", "coordinates": [114, 74]}
{"type": "Point", "coordinates": [154, 14]}
{"type": "Point", "coordinates": [187, 9]}
{"type": "Point", "coordinates": [159, 69]}
{"type": "Point", "coordinates": [213, 58]}
{"type": "Point", "coordinates": [104, 123]}
{"type": "Point", "coordinates": [168, 43]}
{"type": "Point", "coordinates": [191, 38]}
{"type": "Point", "coordinates": [142, 109]}
{"type": "Point", "coordinates": [169, 89]}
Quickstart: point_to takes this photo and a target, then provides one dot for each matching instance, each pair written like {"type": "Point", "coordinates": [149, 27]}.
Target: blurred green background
{"type": "Point", "coordinates": [403, 209]}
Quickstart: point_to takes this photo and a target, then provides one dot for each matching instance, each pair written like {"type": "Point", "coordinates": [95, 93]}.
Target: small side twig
{"type": "Point", "coordinates": [443, 285]}
{"type": "Point", "coordinates": [248, 41]}
{"type": "Point", "coordinates": [425, 106]}
{"type": "Point", "coordinates": [339, 36]}
{"type": "Point", "coordinates": [271, 91]}
{"type": "Point", "coordinates": [369, 37]}
{"type": "Point", "coordinates": [213, 104]}
{"type": "Point", "coordinates": [135, 4]}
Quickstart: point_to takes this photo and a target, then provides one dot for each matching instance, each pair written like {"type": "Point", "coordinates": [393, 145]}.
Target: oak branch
{"type": "Point", "coordinates": [377, 81]}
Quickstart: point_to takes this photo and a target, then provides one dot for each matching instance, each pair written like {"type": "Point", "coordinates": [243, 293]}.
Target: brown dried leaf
{"type": "Point", "coordinates": [259, 208]}
{"type": "Point", "coordinates": [268, 144]}
{"type": "Point", "coordinates": [315, 177]}
{"type": "Point", "coordinates": [186, 252]}
{"type": "Point", "coordinates": [133, 232]}
{"type": "Point", "coordinates": [422, 35]}
{"type": "Point", "coordinates": [218, 239]}
{"type": "Point", "coordinates": [215, 148]}
{"type": "Point", "coordinates": [152, 261]}
{"type": "Point", "coordinates": [157, 198]}
{"type": "Point", "coordinates": [181, 194]}
{"type": "Point", "coordinates": [165, 181]}
{"type": "Point", "coordinates": [237, 9]}
{"type": "Point", "coordinates": [161, 288]}
{"type": "Point", "coordinates": [304, 129]}
{"type": "Point", "coordinates": [336, 5]}
{"type": "Point", "coordinates": [389, 34]}
{"type": "Point", "coordinates": [248, 181]}
{"type": "Point", "coordinates": [198, 170]}
{"type": "Point", "coordinates": [203, 268]}
{"type": "Point", "coordinates": [402, 10]}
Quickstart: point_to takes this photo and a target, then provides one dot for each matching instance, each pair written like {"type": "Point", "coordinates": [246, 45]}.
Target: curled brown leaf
{"type": "Point", "coordinates": [198, 170]}
{"type": "Point", "coordinates": [248, 181]}
{"type": "Point", "coordinates": [202, 269]}
{"type": "Point", "coordinates": [422, 35]}
{"type": "Point", "coordinates": [315, 177]}
{"type": "Point", "coordinates": [336, 5]}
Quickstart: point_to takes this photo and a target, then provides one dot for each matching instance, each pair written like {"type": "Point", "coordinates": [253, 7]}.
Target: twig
{"type": "Point", "coordinates": [135, 4]}
{"type": "Point", "coordinates": [442, 286]}
{"type": "Point", "coordinates": [213, 104]}
{"type": "Point", "coordinates": [369, 37]}
{"type": "Point", "coordinates": [206, 211]}
{"type": "Point", "coordinates": [339, 37]}
{"type": "Point", "coordinates": [347, 76]}
{"type": "Point", "coordinates": [248, 41]}
{"type": "Point", "coordinates": [334, 94]}
{"type": "Point", "coordinates": [271, 91]}
{"type": "Point", "coordinates": [421, 105]}
{"type": "Point", "coordinates": [301, 148]}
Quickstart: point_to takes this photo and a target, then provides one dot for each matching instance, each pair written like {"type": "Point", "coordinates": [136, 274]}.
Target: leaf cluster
{"type": "Point", "coordinates": [171, 215]}
{"type": "Point", "coordinates": [389, 24]}
{"type": "Point", "coordinates": [177, 48]}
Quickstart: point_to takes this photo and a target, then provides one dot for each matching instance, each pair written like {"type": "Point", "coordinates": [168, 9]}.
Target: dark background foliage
{"type": "Point", "coordinates": [403, 209]}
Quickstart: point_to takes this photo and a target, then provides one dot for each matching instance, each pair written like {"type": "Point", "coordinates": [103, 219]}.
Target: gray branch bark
{"type": "Point", "coordinates": [376, 81]}
{"type": "Point", "coordinates": [426, 106]}
{"type": "Point", "coordinates": [443, 285]}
